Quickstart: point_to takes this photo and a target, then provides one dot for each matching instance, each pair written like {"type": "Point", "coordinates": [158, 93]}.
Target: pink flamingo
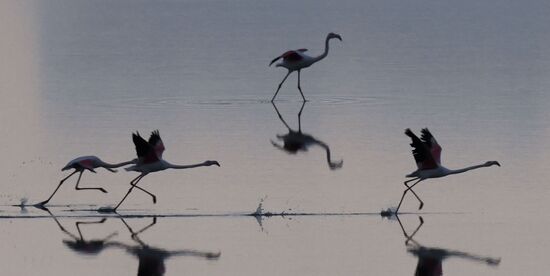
{"type": "Point", "coordinates": [427, 154]}
{"type": "Point", "coordinates": [150, 160]}
{"type": "Point", "coordinates": [296, 61]}
{"type": "Point", "coordinates": [81, 164]}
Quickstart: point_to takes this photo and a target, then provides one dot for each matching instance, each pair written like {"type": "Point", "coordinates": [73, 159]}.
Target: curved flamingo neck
{"type": "Point", "coordinates": [325, 53]}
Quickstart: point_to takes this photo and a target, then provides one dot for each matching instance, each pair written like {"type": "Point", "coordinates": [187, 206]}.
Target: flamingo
{"type": "Point", "coordinates": [427, 154]}
{"type": "Point", "coordinates": [80, 164]}
{"type": "Point", "coordinates": [150, 160]}
{"type": "Point", "coordinates": [296, 60]}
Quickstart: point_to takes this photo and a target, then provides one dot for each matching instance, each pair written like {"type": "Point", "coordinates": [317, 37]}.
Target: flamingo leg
{"type": "Point", "coordinates": [86, 222]}
{"type": "Point", "coordinates": [280, 84]}
{"type": "Point", "coordinates": [299, 88]}
{"type": "Point", "coordinates": [404, 193]}
{"type": "Point", "coordinates": [410, 237]}
{"type": "Point", "coordinates": [300, 114]}
{"type": "Point", "coordinates": [145, 191]}
{"type": "Point", "coordinates": [417, 197]}
{"type": "Point", "coordinates": [280, 116]}
{"type": "Point", "coordinates": [55, 191]}
{"type": "Point", "coordinates": [133, 183]}
{"type": "Point", "coordinates": [78, 182]}
{"type": "Point", "coordinates": [61, 226]}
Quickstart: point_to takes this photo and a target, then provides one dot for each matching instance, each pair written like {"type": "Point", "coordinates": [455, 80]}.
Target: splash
{"type": "Point", "coordinates": [389, 212]}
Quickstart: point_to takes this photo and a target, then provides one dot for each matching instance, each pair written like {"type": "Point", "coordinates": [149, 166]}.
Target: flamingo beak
{"type": "Point", "coordinates": [497, 163]}
{"type": "Point", "coordinates": [339, 37]}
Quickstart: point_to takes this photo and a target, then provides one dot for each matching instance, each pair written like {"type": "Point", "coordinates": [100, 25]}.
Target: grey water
{"type": "Point", "coordinates": [78, 77]}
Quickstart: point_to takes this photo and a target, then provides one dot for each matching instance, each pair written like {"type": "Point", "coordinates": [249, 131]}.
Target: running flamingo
{"type": "Point", "coordinates": [427, 154]}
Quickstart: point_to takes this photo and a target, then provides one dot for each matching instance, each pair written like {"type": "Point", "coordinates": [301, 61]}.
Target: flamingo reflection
{"type": "Point", "coordinates": [151, 259]}
{"type": "Point", "coordinates": [78, 243]}
{"type": "Point", "coordinates": [295, 140]}
{"type": "Point", "coordinates": [430, 259]}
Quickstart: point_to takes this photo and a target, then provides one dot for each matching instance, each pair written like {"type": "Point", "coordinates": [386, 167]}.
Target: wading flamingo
{"type": "Point", "coordinates": [79, 165]}
{"type": "Point", "coordinates": [150, 160]}
{"type": "Point", "coordinates": [296, 60]}
{"type": "Point", "coordinates": [427, 154]}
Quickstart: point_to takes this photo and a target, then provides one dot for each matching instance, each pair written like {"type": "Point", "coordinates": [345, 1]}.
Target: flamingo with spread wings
{"type": "Point", "coordinates": [150, 160]}
{"type": "Point", "coordinates": [427, 154]}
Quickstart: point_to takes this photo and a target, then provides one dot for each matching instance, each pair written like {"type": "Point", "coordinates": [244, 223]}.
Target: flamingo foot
{"type": "Point", "coordinates": [154, 199]}
{"type": "Point", "coordinates": [41, 205]}
{"type": "Point", "coordinates": [421, 205]}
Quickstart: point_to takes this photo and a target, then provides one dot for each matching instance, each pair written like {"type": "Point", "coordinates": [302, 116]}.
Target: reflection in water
{"type": "Point", "coordinates": [151, 259]}
{"type": "Point", "coordinates": [79, 244]}
{"type": "Point", "coordinates": [295, 141]}
{"type": "Point", "coordinates": [430, 259]}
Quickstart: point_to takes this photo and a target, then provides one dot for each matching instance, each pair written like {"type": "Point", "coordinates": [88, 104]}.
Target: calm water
{"type": "Point", "coordinates": [77, 77]}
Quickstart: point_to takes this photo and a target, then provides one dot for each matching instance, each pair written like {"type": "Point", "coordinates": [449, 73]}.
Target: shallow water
{"type": "Point", "coordinates": [78, 77]}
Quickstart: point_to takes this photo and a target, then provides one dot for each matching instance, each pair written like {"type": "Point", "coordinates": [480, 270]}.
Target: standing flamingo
{"type": "Point", "coordinates": [427, 154]}
{"type": "Point", "coordinates": [296, 60]}
{"type": "Point", "coordinates": [81, 164]}
{"type": "Point", "coordinates": [150, 160]}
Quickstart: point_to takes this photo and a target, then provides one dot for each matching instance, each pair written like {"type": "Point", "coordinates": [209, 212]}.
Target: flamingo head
{"type": "Point", "coordinates": [211, 162]}
{"type": "Point", "coordinates": [491, 163]}
{"type": "Point", "coordinates": [333, 35]}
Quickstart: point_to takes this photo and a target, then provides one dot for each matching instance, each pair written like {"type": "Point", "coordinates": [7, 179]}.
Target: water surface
{"type": "Point", "coordinates": [78, 77]}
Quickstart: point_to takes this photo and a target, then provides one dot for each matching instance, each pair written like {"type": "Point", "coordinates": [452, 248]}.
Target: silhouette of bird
{"type": "Point", "coordinates": [152, 259]}
{"type": "Point", "coordinates": [295, 140]}
{"type": "Point", "coordinates": [79, 165]}
{"type": "Point", "coordinates": [150, 160]}
{"type": "Point", "coordinates": [427, 154]}
{"type": "Point", "coordinates": [430, 259]}
{"type": "Point", "coordinates": [296, 60]}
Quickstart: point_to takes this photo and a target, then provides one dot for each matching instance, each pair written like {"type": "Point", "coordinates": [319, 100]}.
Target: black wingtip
{"type": "Point", "coordinates": [409, 132]}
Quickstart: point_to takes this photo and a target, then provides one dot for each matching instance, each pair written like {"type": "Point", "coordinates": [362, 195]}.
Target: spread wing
{"type": "Point", "coordinates": [433, 146]}
{"type": "Point", "coordinates": [156, 143]}
{"type": "Point", "coordinates": [144, 150]}
{"type": "Point", "coordinates": [422, 154]}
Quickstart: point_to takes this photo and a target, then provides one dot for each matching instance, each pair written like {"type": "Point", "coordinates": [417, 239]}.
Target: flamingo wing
{"type": "Point", "coordinates": [156, 142]}
{"type": "Point", "coordinates": [144, 150]}
{"type": "Point", "coordinates": [433, 146]}
{"type": "Point", "coordinates": [290, 56]}
{"type": "Point", "coordinates": [87, 164]}
{"type": "Point", "coordinates": [422, 154]}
